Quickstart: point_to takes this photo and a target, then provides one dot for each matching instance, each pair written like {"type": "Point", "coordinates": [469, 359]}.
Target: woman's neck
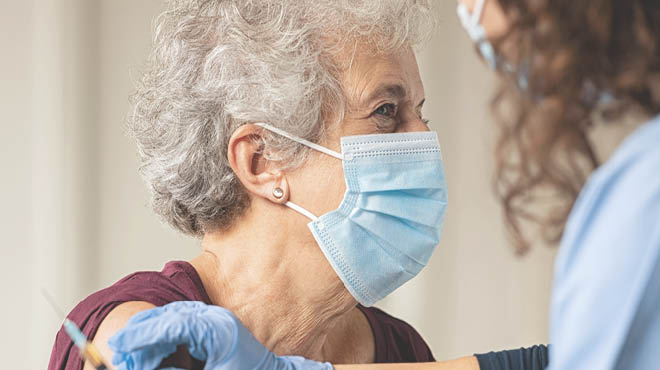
{"type": "Point", "coordinates": [280, 287]}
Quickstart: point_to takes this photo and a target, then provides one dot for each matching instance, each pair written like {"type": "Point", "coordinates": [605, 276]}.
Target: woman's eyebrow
{"type": "Point", "coordinates": [391, 90]}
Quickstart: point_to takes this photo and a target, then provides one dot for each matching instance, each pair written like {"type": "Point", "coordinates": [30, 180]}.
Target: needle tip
{"type": "Point", "coordinates": [52, 303]}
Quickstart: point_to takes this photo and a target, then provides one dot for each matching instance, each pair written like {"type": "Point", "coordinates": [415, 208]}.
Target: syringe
{"type": "Point", "coordinates": [87, 349]}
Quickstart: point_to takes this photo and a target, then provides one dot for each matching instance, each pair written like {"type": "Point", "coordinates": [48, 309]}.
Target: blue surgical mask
{"type": "Point", "coordinates": [390, 220]}
{"type": "Point", "coordinates": [472, 24]}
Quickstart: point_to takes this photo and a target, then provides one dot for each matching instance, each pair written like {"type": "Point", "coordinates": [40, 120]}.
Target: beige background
{"type": "Point", "coordinates": [75, 215]}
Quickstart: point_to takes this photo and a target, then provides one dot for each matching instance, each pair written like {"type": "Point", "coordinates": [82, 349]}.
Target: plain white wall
{"type": "Point", "coordinates": [15, 156]}
{"type": "Point", "coordinates": [48, 154]}
{"type": "Point", "coordinates": [77, 218]}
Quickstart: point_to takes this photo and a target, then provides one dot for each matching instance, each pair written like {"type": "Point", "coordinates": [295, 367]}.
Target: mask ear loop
{"type": "Point", "coordinates": [301, 210]}
{"type": "Point", "coordinates": [478, 11]}
{"type": "Point", "coordinates": [472, 24]}
{"type": "Point", "coordinates": [302, 141]}
{"type": "Point", "coordinates": [309, 144]}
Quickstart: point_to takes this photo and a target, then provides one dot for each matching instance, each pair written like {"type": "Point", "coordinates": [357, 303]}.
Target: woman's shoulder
{"type": "Point", "coordinates": [615, 220]}
{"type": "Point", "coordinates": [178, 281]}
{"type": "Point", "coordinates": [395, 340]}
{"type": "Point", "coordinates": [621, 201]}
{"type": "Point", "coordinates": [609, 259]}
{"type": "Point", "coordinates": [633, 160]}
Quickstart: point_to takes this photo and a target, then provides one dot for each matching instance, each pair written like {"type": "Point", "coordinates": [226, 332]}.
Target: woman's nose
{"type": "Point", "coordinates": [414, 123]}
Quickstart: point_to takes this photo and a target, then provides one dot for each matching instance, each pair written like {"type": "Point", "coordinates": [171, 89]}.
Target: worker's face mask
{"type": "Point", "coordinates": [472, 24]}
{"type": "Point", "coordinates": [390, 220]}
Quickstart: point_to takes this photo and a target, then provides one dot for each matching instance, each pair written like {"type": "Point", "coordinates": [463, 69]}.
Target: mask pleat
{"type": "Point", "coordinates": [389, 270]}
{"type": "Point", "coordinates": [398, 176]}
{"type": "Point", "coordinates": [405, 205]}
{"type": "Point", "coordinates": [393, 248]}
{"type": "Point", "coordinates": [394, 233]}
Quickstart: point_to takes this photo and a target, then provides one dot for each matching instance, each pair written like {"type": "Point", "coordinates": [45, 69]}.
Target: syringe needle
{"type": "Point", "coordinates": [51, 301]}
{"type": "Point", "coordinates": [87, 349]}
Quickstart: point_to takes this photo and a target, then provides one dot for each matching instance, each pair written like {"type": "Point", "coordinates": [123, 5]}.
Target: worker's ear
{"type": "Point", "coordinates": [261, 177]}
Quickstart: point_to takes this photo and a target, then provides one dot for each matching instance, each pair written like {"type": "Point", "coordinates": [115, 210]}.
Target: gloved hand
{"type": "Point", "coordinates": [211, 333]}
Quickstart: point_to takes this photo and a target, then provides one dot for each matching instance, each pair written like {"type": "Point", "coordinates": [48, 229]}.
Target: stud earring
{"type": "Point", "coordinates": [278, 193]}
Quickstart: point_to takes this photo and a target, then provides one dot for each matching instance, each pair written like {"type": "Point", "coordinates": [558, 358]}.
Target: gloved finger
{"type": "Point", "coordinates": [216, 331]}
{"type": "Point", "coordinates": [182, 307]}
{"type": "Point", "coordinates": [145, 315]}
{"type": "Point", "coordinates": [147, 358]}
{"type": "Point", "coordinates": [209, 332]}
{"type": "Point", "coordinates": [243, 351]}
{"type": "Point", "coordinates": [204, 329]}
{"type": "Point", "coordinates": [185, 305]}
{"type": "Point", "coordinates": [163, 327]}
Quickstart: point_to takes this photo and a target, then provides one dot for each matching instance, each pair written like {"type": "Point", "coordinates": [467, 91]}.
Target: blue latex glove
{"type": "Point", "coordinates": [211, 333]}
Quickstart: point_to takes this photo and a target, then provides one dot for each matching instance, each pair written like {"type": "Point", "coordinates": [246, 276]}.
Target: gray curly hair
{"type": "Point", "coordinates": [218, 64]}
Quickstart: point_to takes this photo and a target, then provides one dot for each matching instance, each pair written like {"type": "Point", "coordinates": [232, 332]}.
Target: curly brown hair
{"type": "Point", "coordinates": [575, 62]}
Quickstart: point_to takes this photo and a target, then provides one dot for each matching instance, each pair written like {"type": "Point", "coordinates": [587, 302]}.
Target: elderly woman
{"type": "Point", "coordinates": [256, 117]}
{"type": "Point", "coordinates": [566, 68]}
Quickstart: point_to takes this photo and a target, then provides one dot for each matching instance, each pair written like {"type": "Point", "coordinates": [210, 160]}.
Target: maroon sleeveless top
{"type": "Point", "coordinates": [395, 340]}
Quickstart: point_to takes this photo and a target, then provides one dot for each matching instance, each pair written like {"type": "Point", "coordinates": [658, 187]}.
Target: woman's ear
{"type": "Point", "coordinates": [258, 175]}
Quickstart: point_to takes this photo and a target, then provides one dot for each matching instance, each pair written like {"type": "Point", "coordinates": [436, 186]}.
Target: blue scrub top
{"type": "Point", "coordinates": [605, 305]}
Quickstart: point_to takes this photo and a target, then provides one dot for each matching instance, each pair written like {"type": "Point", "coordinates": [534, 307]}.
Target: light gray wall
{"type": "Point", "coordinates": [15, 155]}
{"type": "Point", "coordinates": [76, 218]}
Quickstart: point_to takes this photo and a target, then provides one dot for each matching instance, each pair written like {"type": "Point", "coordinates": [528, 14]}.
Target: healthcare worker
{"type": "Point", "coordinates": [566, 66]}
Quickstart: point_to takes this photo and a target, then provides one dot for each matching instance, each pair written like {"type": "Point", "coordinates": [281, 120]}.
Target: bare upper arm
{"type": "Point", "coordinates": [116, 320]}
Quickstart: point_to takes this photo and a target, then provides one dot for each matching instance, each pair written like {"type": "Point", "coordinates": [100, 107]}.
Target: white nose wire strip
{"type": "Point", "coordinates": [302, 141]}
{"type": "Point", "coordinates": [478, 10]}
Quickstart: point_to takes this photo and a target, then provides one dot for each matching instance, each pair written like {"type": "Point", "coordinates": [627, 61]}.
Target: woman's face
{"type": "Point", "coordinates": [384, 94]}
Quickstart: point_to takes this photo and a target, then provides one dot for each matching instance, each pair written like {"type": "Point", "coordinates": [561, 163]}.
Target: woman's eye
{"type": "Point", "coordinates": [387, 110]}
